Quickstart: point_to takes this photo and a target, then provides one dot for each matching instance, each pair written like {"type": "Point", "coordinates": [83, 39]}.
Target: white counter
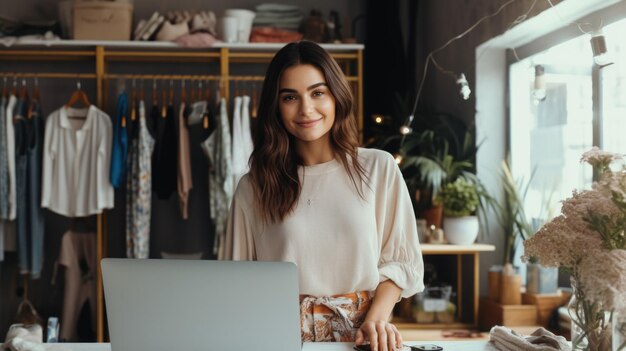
{"type": "Point", "coordinates": [447, 346]}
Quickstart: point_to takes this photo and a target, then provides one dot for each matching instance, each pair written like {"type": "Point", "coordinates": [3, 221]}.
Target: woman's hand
{"type": "Point", "coordinates": [382, 335]}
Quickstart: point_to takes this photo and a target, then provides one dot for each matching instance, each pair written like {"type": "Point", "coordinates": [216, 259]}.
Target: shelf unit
{"type": "Point", "coordinates": [460, 253]}
{"type": "Point", "coordinates": [102, 53]}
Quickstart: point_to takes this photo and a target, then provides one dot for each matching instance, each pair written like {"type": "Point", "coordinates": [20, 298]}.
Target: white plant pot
{"type": "Point", "coordinates": [460, 230]}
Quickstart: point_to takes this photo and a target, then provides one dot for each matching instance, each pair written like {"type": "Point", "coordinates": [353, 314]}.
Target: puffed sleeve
{"type": "Point", "coordinates": [400, 255]}
{"type": "Point", "coordinates": [239, 238]}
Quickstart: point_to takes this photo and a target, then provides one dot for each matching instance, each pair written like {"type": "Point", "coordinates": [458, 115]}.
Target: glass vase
{"type": "Point", "coordinates": [619, 332]}
{"type": "Point", "coordinates": [591, 325]}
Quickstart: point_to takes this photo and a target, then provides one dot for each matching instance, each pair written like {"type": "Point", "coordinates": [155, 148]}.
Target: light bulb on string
{"type": "Point", "coordinates": [405, 129]}
{"type": "Point", "coordinates": [378, 118]}
{"type": "Point", "coordinates": [539, 85]}
{"type": "Point", "coordinates": [598, 45]}
{"type": "Point", "coordinates": [398, 158]}
{"type": "Point", "coordinates": [465, 90]}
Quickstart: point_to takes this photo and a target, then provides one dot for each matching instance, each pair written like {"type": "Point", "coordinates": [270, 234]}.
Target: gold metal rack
{"type": "Point", "coordinates": [102, 55]}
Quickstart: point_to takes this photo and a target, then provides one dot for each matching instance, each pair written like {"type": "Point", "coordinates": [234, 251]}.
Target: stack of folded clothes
{"type": "Point", "coordinates": [276, 23]}
{"type": "Point", "coordinates": [280, 16]}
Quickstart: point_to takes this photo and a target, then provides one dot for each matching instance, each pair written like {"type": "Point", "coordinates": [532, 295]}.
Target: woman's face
{"type": "Point", "coordinates": [306, 105]}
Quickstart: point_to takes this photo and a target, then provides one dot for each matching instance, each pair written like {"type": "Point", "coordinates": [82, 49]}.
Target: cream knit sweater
{"type": "Point", "coordinates": [340, 242]}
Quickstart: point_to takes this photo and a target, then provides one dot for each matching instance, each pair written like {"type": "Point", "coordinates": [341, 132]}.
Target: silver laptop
{"type": "Point", "coordinates": [201, 305]}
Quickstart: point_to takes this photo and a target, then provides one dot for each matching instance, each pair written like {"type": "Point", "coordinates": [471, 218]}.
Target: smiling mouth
{"type": "Point", "coordinates": [308, 123]}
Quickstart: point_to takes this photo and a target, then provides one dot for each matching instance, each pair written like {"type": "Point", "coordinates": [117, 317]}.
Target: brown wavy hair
{"type": "Point", "coordinates": [274, 161]}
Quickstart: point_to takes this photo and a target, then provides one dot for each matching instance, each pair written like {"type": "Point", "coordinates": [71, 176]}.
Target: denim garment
{"type": "Point", "coordinates": [4, 163]}
{"type": "Point", "coordinates": [34, 165]}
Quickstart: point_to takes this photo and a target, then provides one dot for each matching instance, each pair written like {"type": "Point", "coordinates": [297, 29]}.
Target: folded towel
{"type": "Point", "coordinates": [541, 339]}
{"type": "Point", "coordinates": [277, 7]}
{"type": "Point", "coordinates": [22, 337]}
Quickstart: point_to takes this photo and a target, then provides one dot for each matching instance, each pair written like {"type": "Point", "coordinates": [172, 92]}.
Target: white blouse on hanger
{"type": "Point", "coordinates": [76, 162]}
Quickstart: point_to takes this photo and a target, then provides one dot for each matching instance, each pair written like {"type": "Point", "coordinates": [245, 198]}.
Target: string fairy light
{"type": "Point", "coordinates": [431, 58]}
{"type": "Point", "coordinates": [598, 43]}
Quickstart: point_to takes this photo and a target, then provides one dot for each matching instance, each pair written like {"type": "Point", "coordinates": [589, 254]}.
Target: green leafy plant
{"type": "Point", "coordinates": [510, 211]}
{"type": "Point", "coordinates": [458, 198]}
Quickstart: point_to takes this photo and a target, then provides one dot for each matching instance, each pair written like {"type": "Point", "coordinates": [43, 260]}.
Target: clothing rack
{"type": "Point", "coordinates": [349, 57]}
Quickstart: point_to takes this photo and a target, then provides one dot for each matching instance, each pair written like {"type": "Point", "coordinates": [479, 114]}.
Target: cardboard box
{"type": "Point", "coordinates": [493, 313]}
{"type": "Point", "coordinates": [102, 20]}
{"type": "Point", "coordinates": [545, 304]}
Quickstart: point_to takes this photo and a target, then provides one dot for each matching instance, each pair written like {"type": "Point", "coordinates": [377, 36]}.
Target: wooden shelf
{"type": "Point", "coordinates": [467, 309]}
{"type": "Point", "coordinates": [443, 249]}
{"type": "Point", "coordinates": [171, 45]}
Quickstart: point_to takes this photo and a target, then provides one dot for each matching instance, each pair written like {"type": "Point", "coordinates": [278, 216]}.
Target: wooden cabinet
{"type": "Point", "coordinates": [461, 265]}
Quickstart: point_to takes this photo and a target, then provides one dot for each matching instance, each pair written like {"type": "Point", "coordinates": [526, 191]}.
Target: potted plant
{"type": "Point", "coordinates": [516, 227]}
{"type": "Point", "coordinates": [440, 151]}
{"type": "Point", "coordinates": [460, 201]}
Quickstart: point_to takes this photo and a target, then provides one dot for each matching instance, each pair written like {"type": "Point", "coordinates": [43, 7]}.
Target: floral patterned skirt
{"type": "Point", "coordinates": [333, 318]}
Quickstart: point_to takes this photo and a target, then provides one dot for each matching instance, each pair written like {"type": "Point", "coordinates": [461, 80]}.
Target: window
{"type": "Point", "coordinates": [548, 137]}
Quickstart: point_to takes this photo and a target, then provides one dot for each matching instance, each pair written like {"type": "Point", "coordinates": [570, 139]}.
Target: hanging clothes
{"type": "Point", "coordinates": [246, 132]}
{"type": "Point", "coordinates": [78, 256]}
{"type": "Point", "coordinates": [29, 221]}
{"type": "Point", "coordinates": [10, 132]}
{"type": "Point", "coordinates": [21, 130]}
{"type": "Point", "coordinates": [164, 158]}
{"type": "Point", "coordinates": [185, 182]}
{"type": "Point", "coordinates": [4, 161]}
{"type": "Point", "coordinates": [139, 189]}
{"type": "Point", "coordinates": [242, 138]}
{"type": "Point", "coordinates": [76, 162]}
{"type": "Point", "coordinates": [4, 175]}
{"type": "Point", "coordinates": [7, 224]}
{"type": "Point", "coordinates": [239, 167]}
{"type": "Point", "coordinates": [217, 148]}
{"type": "Point", "coordinates": [34, 211]}
{"type": "Point", "coordinates": [120, 142]}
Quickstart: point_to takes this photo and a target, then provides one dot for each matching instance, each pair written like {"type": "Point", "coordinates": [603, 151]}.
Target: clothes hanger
{"type": "Point", "coordinates": [24, 91]}
{"type": "Point", "coordinates": [155, 101]}
{"type": "Point", "coordinates": [183, 92]}
{"type": "Point", "coordinates": [253, 113]}
{"type": "Point", "coordinates": [207, 92]}
{"type": "Point", "coordinates": [163, 101]}
{"type": "Point", "coordinates": [36, 89]}
{"type": "Point", "coordinates": [192, 92]}
{"type": "Point", "coordinates": [123, 120]}
{"type": "Point", "coordinates": [218, 91]}
{"type": "Point", "coordinates": [143, 93]}
{"type": "Point", "coordinates": [171, 102]}
{"type": "Point", "coordinates": [78, 96]}
{"type": "Point", "coordinates": [245, 87]}
{"type": "Point", "coordinates": [14, 92]}
{"type": "Point", "coordinates": [5, 89]}
{"type": "Point", "coordinates": [133, 97]}
{"type": "Point", "coordinates": [31, 110]}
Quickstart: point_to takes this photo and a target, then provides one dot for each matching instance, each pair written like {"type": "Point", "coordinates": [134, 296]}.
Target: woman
{"type": "Point", "coordinates": [312, 197]}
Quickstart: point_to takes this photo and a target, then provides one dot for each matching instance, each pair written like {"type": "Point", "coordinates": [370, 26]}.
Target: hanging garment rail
{"type": "Point", "coordinates": [48, 75]}
{"type": "Point", "coordinates": [224, 58]}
